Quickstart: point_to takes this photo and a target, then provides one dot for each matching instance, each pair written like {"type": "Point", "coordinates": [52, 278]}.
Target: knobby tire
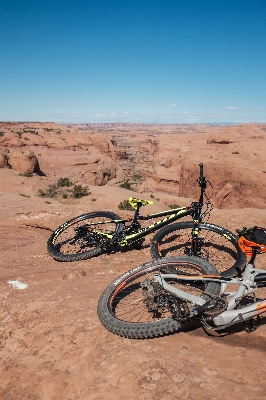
{"type": "Point", "coordinates": [219, 245]}
{"type": "Point", "coordinates": [61, 245]}
{"type": "Point", "coordinates": [122, 307]}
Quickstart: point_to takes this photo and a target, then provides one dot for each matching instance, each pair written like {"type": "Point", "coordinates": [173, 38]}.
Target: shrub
{"type": "Point", "coordinates": [2, 134]}
{"type": "Point", "coordinates": [41, 193]}
{"type": "Point", "coordinates": [49, 192]}
{"type": "Point", "coordinates": [79, 191]}
{"type": "Point", "coordinates": [126, 185]}
{"type": "Point", "coordinates": [125, 205]}
{"type": "Point", "coordinates": [64, 195]}
{"type": "Point", "coordinates": [152, 197]}
{"type": "Point", "coordinates": [136, 177]}
{"type": "Point", "coordinates": [172, 206]}
{"type": "Point", "coordinates": [62, 182]}
{"type": "Point", "coordinates": [27, 174]}
{"type": "Point", "coordinates": [235, 152]}
{"type": "Point", "coordinates": [31, 131]}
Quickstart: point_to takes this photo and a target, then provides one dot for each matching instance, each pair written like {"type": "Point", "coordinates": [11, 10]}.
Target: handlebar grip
{"type": "Point", "coordinates": [201, 170]}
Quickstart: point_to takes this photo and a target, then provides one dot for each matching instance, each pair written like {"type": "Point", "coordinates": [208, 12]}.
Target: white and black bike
{"type": "Point", "coordinates": [159, 297]}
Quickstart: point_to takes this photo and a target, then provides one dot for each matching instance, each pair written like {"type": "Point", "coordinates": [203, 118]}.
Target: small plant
{"type": "Point", "coordinates": [79, 191]}
{"type": "Point", "coordinates": [126, 185]}
{"type": "Point", "coordinates": [24, 195]}
{"type": "Point", "coordinates": [136, 177]}
{"type": "Point", "coordinates": [62, 182]}
{"type": "Point", "coordinates": [235, 152]}
{"type": "Point", "coordinates": [64, 195]}
{"type": "Point", "coordinates": [49, 192]}
{"type": "Point", "coordinates": [27, 174]}
{"type": "Point", "coordinates": [41, 193]}
{"type": "Point", "coordinates": [31, 131]}
{"type": "Point", "coordinates": [125, 205]}
{"type": "Point", "coordinates": [48, 202]}
{"type": "Point", "coordinates": [2, 134]}
{"type": "Point", "coordinates": [173, 206]}
{"type": "Point", "coordinates": [151, 196]}
{"type": "Point", "coordinates": [93, 199]}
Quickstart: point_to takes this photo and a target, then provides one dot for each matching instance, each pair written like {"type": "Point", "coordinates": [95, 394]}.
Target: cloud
{"type": "Point", "coordinates": [172, 105]}
{"type": "Point", "coordinates": [235, 108]}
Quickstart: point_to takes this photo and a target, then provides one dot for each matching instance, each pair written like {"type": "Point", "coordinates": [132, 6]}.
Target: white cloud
{"type": "Point", "coordinates": [235, 108]}
{"type": "Point", "coordinates": [172, 105]}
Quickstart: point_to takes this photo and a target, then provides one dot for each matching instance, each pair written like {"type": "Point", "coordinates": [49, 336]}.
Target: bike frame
{"type": "Point", "coordinates": [129, 234]}
{"type": "Point", "coordinates": [247, 284]}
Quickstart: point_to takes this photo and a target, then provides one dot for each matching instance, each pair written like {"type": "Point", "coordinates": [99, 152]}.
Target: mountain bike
{"type": "Point", "coordinates": [93, 233]}
{"type": "Point", "coordinates": [160, 297]}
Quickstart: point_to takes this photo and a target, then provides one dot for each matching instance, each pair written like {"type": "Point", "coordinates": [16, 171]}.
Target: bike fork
{"type": "Point", "coordinates": [196, 243]}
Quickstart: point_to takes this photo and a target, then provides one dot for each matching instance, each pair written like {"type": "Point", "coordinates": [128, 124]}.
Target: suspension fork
{"type": "Point", "coordinates": [195, 243]}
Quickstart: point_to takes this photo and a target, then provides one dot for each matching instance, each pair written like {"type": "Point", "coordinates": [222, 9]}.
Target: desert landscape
{"type": "Point", "coordinates": [52, 343]}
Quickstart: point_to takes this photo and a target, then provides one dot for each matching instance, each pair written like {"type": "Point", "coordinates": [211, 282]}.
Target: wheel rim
{"type": "Point", "coordinates": [77, 237]}
{"type": "Point", "coordinates": [219, 249]}
{"type": "Point", "coordinates": [130, 302]}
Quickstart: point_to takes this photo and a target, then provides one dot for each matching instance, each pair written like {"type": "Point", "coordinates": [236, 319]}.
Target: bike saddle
{"type": "Point", "coordinates": [137, 202]}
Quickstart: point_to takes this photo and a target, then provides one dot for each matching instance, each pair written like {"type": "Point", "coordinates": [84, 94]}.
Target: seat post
{"type": "Point", "coordinates": [136, 215]}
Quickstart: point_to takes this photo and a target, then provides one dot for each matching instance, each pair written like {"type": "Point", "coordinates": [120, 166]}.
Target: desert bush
{"type": "Point", "coordinates": [173, 206]}
{"type": "Point", "coordinates": [235, 152]}
{"type": "Point", "coordinates": [65, 196]}
{"type": "Point", "coordinates": [151, 196]}
{"type": "Point", "coordinates": [2, 134]}
{"type": "Point", "coordinates": [41, 193]}
{"type": "Point", "coordinates": [126, 185]}
{"type": "Point", "coordinates": [125, 205]}
{"type": "Point", "coordinates": [27, 174]}
{"type": "Point", "coordinates": [49, 192]}
{"type": "Point", "coordinates": [30, 131]}
{"type": "Point", "coordinates": [62, 182]}
{"type": "Point", "coordinates": [80, 191]}
{"type": "Point", "coordinates": [136, 177]}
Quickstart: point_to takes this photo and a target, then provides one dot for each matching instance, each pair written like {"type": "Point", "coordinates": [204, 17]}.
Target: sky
{"type": "Point", "coordinates": [135, 61]}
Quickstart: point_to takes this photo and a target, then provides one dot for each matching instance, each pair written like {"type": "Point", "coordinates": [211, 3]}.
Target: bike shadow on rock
{"type": "Point", "coordinates": [235, 335]}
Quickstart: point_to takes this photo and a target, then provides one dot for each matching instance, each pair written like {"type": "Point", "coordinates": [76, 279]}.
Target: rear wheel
{"type": "Point", "coordinates": [135, 306]}
{"type": "Point", "coordinates": [84, 236]}
{"type": "Point", "coordinates": [218, 245]}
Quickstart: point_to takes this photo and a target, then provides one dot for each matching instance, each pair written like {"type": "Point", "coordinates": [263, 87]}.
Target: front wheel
{"type": "Point", "coordinates": [84, 236]}
{"type": "Point", "coordinates": [217, 245]}
{"type": "Point", "coordinates": [135, 306]}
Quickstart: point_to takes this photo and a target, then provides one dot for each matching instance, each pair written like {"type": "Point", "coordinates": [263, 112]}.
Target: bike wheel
{"type": "Point", "coordinates": [76, 239]}
{"type": "Point", "coordinates": [127, 308]}
{"type": "Point", "coordinates": [218, 245]}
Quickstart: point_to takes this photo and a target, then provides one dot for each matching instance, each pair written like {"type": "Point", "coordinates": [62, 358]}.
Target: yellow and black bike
{"type": "Point", "coordinates": [91, 234]}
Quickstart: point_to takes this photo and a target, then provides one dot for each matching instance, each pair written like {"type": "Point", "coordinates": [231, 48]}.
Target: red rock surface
{"type": "Point", "coordinates": [52, 343]}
